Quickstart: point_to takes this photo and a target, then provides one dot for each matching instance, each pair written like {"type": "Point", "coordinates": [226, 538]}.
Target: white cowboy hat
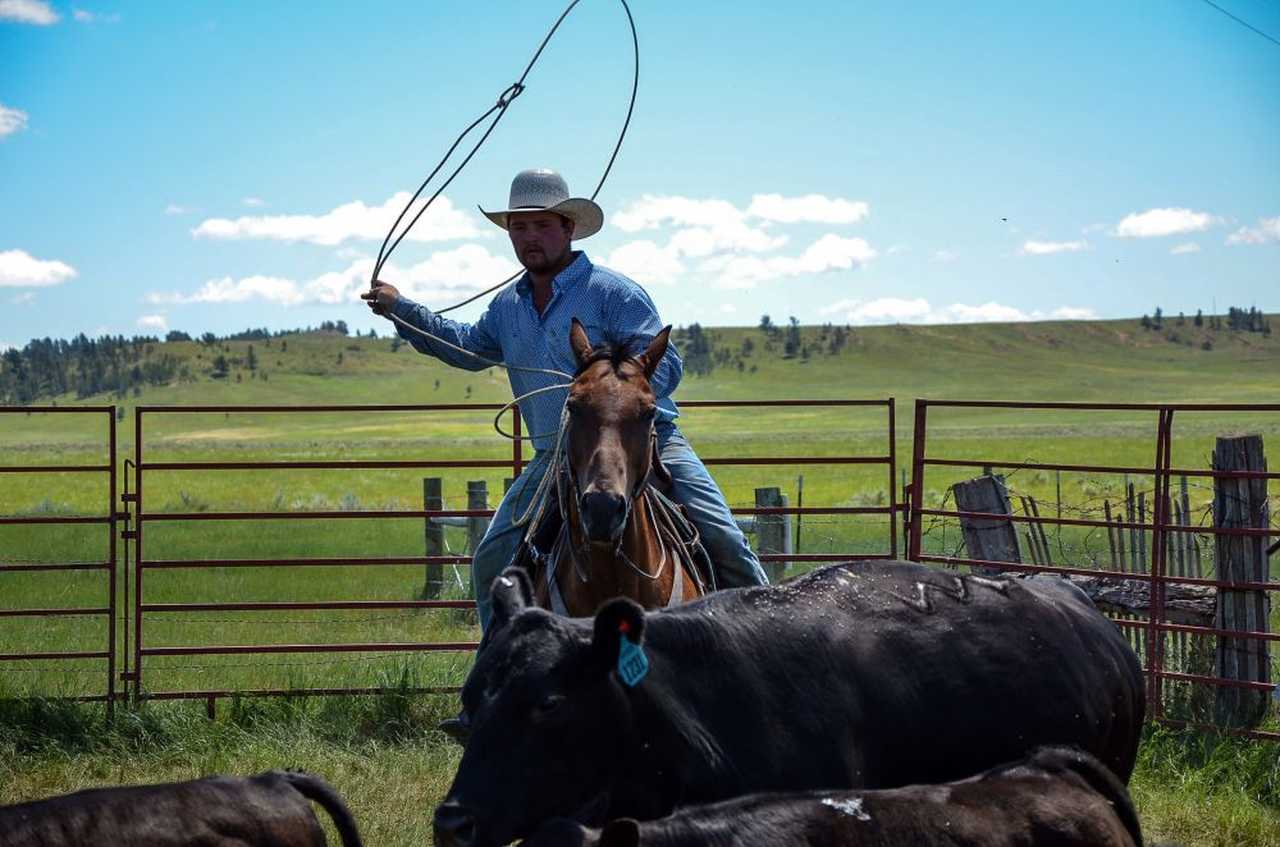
{"type": "Point", "coordinates": [541, 190]}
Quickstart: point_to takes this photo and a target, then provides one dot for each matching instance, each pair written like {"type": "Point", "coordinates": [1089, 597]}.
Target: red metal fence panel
{"type": "Point", "coordinates": [1160, 526]}
{"type": "Point", "coordinates": [12, 653]}
{"type": "Point", "coordinates": [145, 516]}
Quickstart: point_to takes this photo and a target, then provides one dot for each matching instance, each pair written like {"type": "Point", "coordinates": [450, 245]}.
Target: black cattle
{"type": "Point", "coordinates": [1058, 797]}
{"type": "Point", "coordinates": [269, 810]}
{"type": "Point", "coordinates": [859, 675]}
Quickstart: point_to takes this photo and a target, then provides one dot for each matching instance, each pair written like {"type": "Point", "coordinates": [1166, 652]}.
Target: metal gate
{"type": "Point", "coordinates": [106, 519]}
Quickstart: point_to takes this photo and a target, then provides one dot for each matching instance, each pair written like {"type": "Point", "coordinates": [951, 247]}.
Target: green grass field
{"type": "Point", "coordinates": [1113, 361]}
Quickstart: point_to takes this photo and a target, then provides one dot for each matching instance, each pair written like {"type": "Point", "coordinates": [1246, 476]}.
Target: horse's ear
{"type": "Point", "coordinates": [511, 593]}
{"type": "Point", "coordinates": [656, 350]}
{"type": "Point", "coordinates": [618, 618]}
{"type": "Point", "coordinates": [579, 342]}
{"type": "Point", "coordinates": [623, 832]}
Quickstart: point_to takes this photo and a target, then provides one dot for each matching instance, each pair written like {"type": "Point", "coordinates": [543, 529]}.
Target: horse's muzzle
{"type": "Point", "coordinates": [604, 515]}
{"type": "Point", "coordinates": [454, 826]}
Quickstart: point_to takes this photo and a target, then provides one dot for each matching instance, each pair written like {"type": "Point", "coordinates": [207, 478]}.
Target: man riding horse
{"type": "Point", "coordinates": [529, 325]}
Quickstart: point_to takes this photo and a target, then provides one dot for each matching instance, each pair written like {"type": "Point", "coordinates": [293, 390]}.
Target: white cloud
{"type": "Point", "coordinates": [24, 298]}
{"type": "Point", "coordinates": [704, 226]}
{"type": "Point", "coordinates": [19, 269]}
{"type": "Point", "coordinates": [355, 220]}
{"type": "Point", "coordinates": [86, 17]}
{"type": "Point", "coordinates": [1045, 248]}
{"type": "Point", "coordinates": [36, 12]}
{"type": "Point", "coordinates": [1074, 313]}
{"type": "Point", "coordinates": [442, 279]}
{"type": "Point", "coordinates": [11, 120]}
{"type": "Point", "coordinates": [733, 243]}
{"type": "Point", "coordinates": [255, 202]}
{"type": "Point", "coordinates": [918, 310]}
{"type": "Point", "coordinates": [156, 322]}
{"type": "Point", "coordinates": [646, 263]}
{"type": "Point", "coordinates": [985, 313]}
{"type": "Point", "coordinates": [1267, 230]}
{"type": "Point", "coordinates": [1155, 223]}
{"type": "Point", "coordinates": [175, 209]}
{"type": "Point", "coordinates": [7, 345]}
{"type": "Point", "coordinates": [728, 308]}
{"type": "Point", "coordinates": [945, 255]}
{"type": "Point", "coordinates": [650, 212]}
{"type": "Point", "coordinates": [829, 253]}
{"type": "Point", "coordinates": [1187, 247]}
{"type": "Point", "coordinates": [228, 290]}
{"type": "Point", "coordinates": [880, 310]}
{"type": "Point", "coordinates": [811, 208]}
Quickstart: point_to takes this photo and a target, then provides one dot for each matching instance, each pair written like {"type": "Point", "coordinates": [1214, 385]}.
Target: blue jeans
{"type": "Point", "coordinates": [735, 562]}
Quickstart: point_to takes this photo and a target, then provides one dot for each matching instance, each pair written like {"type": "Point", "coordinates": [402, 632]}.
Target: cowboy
{"type": "Point", "coordinates": [527, 325]}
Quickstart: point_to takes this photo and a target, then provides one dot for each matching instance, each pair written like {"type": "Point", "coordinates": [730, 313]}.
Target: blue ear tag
{"type": "Point", "coordinates": [633, 664]}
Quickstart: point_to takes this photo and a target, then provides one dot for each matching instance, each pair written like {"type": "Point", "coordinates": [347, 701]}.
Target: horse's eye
{"type": "Point", "coordinates": [548, 704]}
{"type": "Point", "coordinates": [651, 412]}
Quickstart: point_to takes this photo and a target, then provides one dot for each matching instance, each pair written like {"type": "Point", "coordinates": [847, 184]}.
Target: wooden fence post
{"type": "Point", "coordinates": [477, 498]}
{"type": "Point", "coordinates": [990, 539]}
{"type": "Point", "coordinates": [773, 532]}
{"type": "Point", "coordinates": [433, 532]}
{"type": "Point", "coordinates": [1237, 504]}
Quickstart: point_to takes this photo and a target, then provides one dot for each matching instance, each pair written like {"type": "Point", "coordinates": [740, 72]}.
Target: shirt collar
{"type": "Point", "coordinates": [578, 269]}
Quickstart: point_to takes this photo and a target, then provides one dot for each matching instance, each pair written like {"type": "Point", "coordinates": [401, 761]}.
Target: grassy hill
{"type": "Point", "coordinates": [1077, 360]}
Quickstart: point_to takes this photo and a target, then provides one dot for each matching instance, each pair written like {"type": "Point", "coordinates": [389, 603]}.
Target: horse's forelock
{"type": "Point", "coordinates": [615, 354]}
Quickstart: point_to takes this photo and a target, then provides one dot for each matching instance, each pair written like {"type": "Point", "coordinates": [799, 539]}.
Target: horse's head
{"type": "Point", "coordinates": [610, 439]}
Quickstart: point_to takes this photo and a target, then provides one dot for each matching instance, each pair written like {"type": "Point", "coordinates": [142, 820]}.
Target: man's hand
{"type": "Point", "coordinates": [381, 297]}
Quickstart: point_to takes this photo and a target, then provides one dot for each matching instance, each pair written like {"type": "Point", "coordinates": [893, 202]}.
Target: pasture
{"type": "Point", "coordinates": [381, 751]}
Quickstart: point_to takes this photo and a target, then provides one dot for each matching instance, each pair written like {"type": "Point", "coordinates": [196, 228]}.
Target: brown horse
{"type": "Point", "coordinates": [619, 535]}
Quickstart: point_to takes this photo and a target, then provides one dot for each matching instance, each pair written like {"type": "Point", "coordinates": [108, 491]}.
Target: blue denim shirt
{"type": "Point", "coordinates": [612, 309]}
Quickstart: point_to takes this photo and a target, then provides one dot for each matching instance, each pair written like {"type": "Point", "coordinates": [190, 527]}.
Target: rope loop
{"type": "Point", "coordinates": [513, 91]}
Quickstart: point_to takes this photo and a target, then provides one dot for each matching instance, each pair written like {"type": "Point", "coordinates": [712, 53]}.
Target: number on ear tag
{"type": "Point", "coordinates": [633, 664]}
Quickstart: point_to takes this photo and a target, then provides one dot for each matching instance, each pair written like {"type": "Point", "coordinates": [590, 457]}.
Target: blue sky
{"type": "Point", "coordinates": [217, 166]}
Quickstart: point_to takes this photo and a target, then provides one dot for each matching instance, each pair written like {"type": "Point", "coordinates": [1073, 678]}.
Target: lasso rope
{"type": "Point", "coordinates": [503, 103]}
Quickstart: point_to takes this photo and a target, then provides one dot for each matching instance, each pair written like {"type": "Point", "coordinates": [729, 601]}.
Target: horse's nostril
{"type": "Point", "coordinates": [454, 826]}
{"type": "Point", "coordinates": [603, 514]}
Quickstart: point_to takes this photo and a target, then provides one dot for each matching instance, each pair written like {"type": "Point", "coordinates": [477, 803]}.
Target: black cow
{"type": "Point", "coordinates": [859, 675]}
{"type": "Point", "coordinates": [269, 810]}
{"type": "Point", "coordinates": [1058, 796]}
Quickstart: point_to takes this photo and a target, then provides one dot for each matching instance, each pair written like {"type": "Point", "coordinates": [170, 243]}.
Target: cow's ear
{"type": "Point", "coordinates": [655, 351]}
{"type": "Point", "coordinates": [624, 832]}
{"type": "Point", "coordinates": [617, 619]}
{"type": "Point", "coordinates": [579, 342]}
{"type": "Point", "coordinates": [511, 592]}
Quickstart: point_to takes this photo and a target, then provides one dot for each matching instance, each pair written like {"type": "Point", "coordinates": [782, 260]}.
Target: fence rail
{"type": "Point", "coordinates": [1151, 540]}
{"type": "Point", "coordinates": [108, 520]}
{"type": "Point", "coordinates": [146, 613]}
{"type": "Point", "coordinates": [992, 540]}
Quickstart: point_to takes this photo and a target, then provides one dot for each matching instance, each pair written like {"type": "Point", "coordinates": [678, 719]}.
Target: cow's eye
{"type": "Point", "coordinates": [548, 704]}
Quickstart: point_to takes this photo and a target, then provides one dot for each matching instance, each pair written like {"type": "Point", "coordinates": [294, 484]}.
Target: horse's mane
{"type": "Point", "coordinates": [615, 354]}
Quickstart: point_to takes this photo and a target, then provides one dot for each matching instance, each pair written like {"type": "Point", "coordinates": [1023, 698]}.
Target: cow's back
{"type": "Point", "coordinates": [261, 810]}
{"type": "Point", "coordinates": [890, 673]}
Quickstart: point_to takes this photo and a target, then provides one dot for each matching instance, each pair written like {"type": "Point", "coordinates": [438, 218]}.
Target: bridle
{"type": "Point", "coordinates": [639, 489]}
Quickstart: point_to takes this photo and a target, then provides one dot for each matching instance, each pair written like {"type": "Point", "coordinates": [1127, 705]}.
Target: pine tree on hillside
{"type": "Point", "coordinates": [791, 346]}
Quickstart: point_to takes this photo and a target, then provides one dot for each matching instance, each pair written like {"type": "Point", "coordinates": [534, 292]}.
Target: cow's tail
{"type": "Point", "coordinates": [316, 789]}
{"type": "Point", "coordinates": [1098, 776]}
